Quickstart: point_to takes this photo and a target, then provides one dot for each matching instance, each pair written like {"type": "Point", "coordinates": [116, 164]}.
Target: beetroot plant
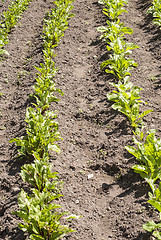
{"type": "Point", "coordinates": [113, 8]}
{"type": "Point", "coordinates": [9, 19]}
{"type": "Point", "coordinates": [127, 101]}
{"type": "Point", "coordinates": [39, 209]}
{"type": "Point", "coordinates": [41, 133]}
{"type": "Point", "coordinates": [155, 9]}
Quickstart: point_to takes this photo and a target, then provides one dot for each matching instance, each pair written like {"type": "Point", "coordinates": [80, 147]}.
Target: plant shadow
{"type": "Point", "coordinates": [150, 28]}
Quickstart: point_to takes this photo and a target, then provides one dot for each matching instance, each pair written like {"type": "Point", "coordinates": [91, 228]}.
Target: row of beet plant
{"type": "Point", "coordinates": [155, 10]}
{"type": "Point", "coordinates": [127, 97]}
{"type": "Point", "coordinates": [9, 19]}
{"type": "Point", "coordinates": [127, 101]}
{"type": "Point", "coordinates": [148, 153]}
{"type": "Point", "coordinates": [152, 148]}
{"type": "Point", "coordinates": [39, 207]}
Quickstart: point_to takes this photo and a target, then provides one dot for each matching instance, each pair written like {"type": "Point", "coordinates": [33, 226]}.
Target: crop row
{"type": "Point", "coordinates": [9, 19]}
{"type": "Point", "coordinates": [39, 207]}
{"type": "Point", "coordinates": [127, 101]}
{"type": "Point", "coordinates": [155, 10]}
{"type": "Point", "coordinates": [127, 97]}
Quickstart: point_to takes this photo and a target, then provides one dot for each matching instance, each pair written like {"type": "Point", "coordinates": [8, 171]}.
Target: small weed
{"type": "Point", "coordinates": [89, 162]}
{"type": "Point", "coordinates": [103, 152]}
{"type": "Point", "coordinates": [6, 80]}
{"type": "Point", "coordinates": [119, 177]}
{"type": "Point", "coordinates": [73, 141]}
{"type": "Point", "coordinates": [2, 127]}
{"type": "Point", "coordinates": [22, 74]}
{"type": "Point", "coordinates": [153, 78]}
{"type": "Point", "coordinates": [80, 110]}
{"type": "Point", "coordinates": [91, 106]}
{"type": "Point", "coordinates": [82, 172]}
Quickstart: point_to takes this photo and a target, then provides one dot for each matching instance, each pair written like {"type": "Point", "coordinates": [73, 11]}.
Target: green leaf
{"type": "Point", "coordinates": [133, 151]}
{"type": "Point", "coordinates": [112, 96]}
{"type": "Point", "coordinates": [22, 227]}
{"type": "Point", "coordinates": [54, 148]}
{"type": "Point", "coordinates": [36, 237]}
{"type": "Point", "coordinates": [72, 216]}
{"type": "Point", "coordinates": [149, 226]}
{"type": "Point", "coordinates": [140, 168]}
{"type": "Point", "coordinates": [127, 30]}
{"type": "Point", "coordinates": [155, 204]}
{"type": "Point", "coordinates": [157, 234]}
{"type": "Point", "coordinates": [151, 182]}
{"type": "Point", "coordinates": [117, 106]}
{"type": "Point", "coordinates": [145, 113]}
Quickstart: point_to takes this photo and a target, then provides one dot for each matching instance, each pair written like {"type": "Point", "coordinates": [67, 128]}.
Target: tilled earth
{"type": "Point", "coordinates": [99, 184]}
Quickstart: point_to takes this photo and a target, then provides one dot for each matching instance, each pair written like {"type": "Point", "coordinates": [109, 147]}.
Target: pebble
{"type": "Point", "coordinates": [90, 176]}
{"type": "Point", "coordinates": [16, 189]}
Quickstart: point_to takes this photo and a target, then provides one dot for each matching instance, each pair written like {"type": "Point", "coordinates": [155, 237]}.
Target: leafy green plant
{"type": "Point", "coordinates": [42, 133]}
{"type": "Point", "coordinates": [3, 41]}
{"type": "Point", "coordinates": [54, 26]}
{"type": "Point", "coordinates": [149, 156]}
{"type": "Point", "coordinates": [41, 221]}
{"type": "Point", "coordinates": [155, 201]}
{"type": "Point", "coordinates": [9, 20]}
{"type": "Point", "coordinates": [155, 198]}
{"type": "Point", "coordinates": [113, 30]}
{"type": "Point", "coordinates": [155, 9]}
{"type": "Point", "coordinates": [151, 226]}
{"type": "Point", "coordinates": [127, 101]}
{"type": "Point", "coordinates": [38, 209]}
{"type": "Point", "coordinates": [11, 16]}
{"type": "Point", "coordinates": [113, 8]}
{"type": "Point", "coordinates": [39, 174]}
{"type": "Point", "coordinates": [56, 22]}
{"type": "Point", "coordinates": [118, 63]}
{"type": "Point", "coordinates": [45, 88]}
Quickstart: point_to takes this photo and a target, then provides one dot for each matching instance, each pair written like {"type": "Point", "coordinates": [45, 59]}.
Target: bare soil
{"type": "Point", "coordinates": [99, 184]}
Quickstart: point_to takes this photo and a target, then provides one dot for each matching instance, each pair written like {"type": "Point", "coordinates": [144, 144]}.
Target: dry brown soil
{"type": "Point", "coordinates": [96, 169]}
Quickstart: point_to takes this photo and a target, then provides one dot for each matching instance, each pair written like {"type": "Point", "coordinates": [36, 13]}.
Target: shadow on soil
{"type": "Point", "coordinates": [14, 167]}
{"type": "Point", "coordinates": [143, 236]}
{"type": "Point", "coordinates": [10, 203]}
{"type": "Point", "coordinates": [131, 183]}
{"type": "Point", "coordinates": [150, 28]}
{"type": "Point", "coordinates": [157, 81]}
{"type": "Point", "coordinates": [16, 234]}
